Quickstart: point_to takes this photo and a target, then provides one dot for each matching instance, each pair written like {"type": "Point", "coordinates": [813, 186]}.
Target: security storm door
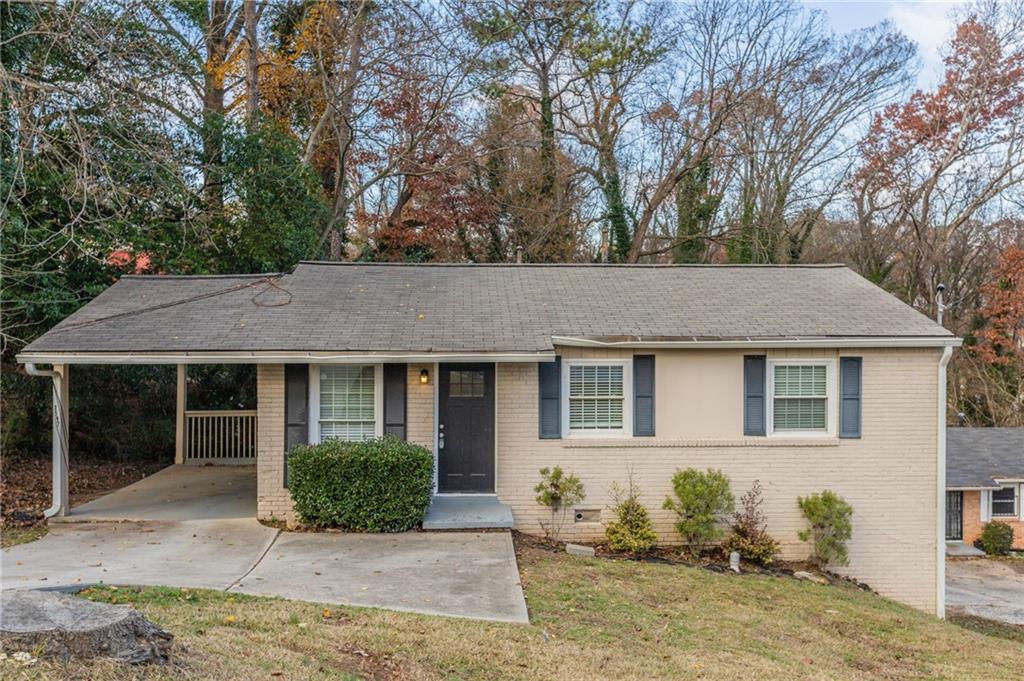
{"type": "Point", "coordinates": [465, 428]}
{"type": "Point", "coordinates": [954, 516]}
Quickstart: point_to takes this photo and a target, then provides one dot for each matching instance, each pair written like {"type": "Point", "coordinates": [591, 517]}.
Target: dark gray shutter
{"type": "Point", "coordinates": [643, 395]}
{"type": "Point", "coordinates": [754, 394]}
{"type": "Point", "coordinates": [549, 380]}
{"type": "Point", "coordinates": [296, 409]}
{"type": "Point", "coordinates": [395, 377]}
{"type": "Point", "coordinates": [849, 396]}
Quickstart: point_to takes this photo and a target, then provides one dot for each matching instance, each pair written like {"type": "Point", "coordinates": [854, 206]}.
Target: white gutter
{"type": "Point", "coordinates": [751, 342]}
{"type": "Point", "coordinates": [275, 357]}
{"type": "Point", "coordinates": [60, 436]}
{"type": "Point", "coordinates": [940, 549]}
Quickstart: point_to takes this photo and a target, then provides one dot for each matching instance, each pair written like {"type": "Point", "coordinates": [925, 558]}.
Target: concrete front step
{"type": "Point", "coordinates": [467, 512]}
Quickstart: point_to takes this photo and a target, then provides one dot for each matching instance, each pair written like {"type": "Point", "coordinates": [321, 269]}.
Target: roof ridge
{"type": "Point", "coordinates": [263, 275]}
{"type": "Point", "coordinates": [578, 265]}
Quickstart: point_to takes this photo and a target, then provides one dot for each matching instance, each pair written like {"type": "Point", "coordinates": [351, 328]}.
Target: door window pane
{"type": "Point", "coordinates": [463, 383]}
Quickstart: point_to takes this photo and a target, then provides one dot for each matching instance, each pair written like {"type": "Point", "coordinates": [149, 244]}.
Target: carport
{"type": "Point", "coordinates": [214, 471]}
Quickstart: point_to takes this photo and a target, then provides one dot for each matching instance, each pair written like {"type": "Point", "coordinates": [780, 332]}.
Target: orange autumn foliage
{"type": "Point", "coordinates": [1001, 341]}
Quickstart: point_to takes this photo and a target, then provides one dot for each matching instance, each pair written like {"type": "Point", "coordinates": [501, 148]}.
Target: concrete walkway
{"type": "Point", "coordinates": [993, 589]}
{"type": "Point", "coordinates": [471, 575]}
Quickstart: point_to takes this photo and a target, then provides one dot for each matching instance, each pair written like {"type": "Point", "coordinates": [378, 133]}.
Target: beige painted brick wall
{"type": "Point", "coordinates": [889, 475]}
{"type": "Point", "coordinates": [419, 405]}
{"type": "Point", "coordinates": [272, 500]}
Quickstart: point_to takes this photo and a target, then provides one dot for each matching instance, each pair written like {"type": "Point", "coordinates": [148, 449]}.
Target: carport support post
{"type": "Point", "coordinates": [61, 397]}
{"type": "Point", "coordinates": [179, 423]}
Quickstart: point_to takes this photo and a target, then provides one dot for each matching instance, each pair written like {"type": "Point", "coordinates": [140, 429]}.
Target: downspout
{"type": "Point", "coordinates": [60, 436]}
{"type": "Point", "coordinates": [940, 585]}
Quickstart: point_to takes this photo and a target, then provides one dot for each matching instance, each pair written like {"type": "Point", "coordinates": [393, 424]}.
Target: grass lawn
{"type": "Point", "coordinates": [591, 618]}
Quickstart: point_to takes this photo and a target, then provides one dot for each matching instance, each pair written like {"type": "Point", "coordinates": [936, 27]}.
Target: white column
{"type": "Point", "coordinates": [179, 429]}
{"type": "Point", "coordinates": [61, 396]}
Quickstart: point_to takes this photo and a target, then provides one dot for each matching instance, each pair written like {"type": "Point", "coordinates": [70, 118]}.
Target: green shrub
{"type": "Point", "coordinates": [750, 536]}
{"type": "Point", "coordinates": [631, 531]}
{"type": "Point", "coordinates": [996, 539]}
{"type": "Point", "coordinates": [701, 501]}
{"type": "Point", "coordinates": [831, 524]}
{"type": "Point", "coordinates": [375, 486]}
{"type": "Point", "coordinates": [557, 491]}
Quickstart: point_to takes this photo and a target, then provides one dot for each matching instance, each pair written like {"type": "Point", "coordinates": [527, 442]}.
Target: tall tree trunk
{"type": "Point", "coordinates": [621, 239]}
{"type": "Point", "coordinates": [213, 109]}
{"type": "Point", "coordinates": [252, 56]}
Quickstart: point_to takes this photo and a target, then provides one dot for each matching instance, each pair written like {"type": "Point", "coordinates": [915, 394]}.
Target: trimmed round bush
{"type": "Point", "coordinates": [374, 486]}
{"type": "Point", "coordinates": [996, 538]}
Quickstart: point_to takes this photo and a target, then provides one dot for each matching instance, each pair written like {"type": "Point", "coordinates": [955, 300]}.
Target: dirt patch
{"type": "Point", "coordinates": [26, 489]}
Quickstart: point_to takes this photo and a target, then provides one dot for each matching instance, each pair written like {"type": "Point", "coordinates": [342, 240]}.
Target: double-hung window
{"type": "Point", "coordinates": [597, 397]}
{"type": "Point", "coordinates": [802, 397]}
{"type": "Point", "coordinates": [347, 401]}
{"type": "Point", "coordinates": [1004, 502]}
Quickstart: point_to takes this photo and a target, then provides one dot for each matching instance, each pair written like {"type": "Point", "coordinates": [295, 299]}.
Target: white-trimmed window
{"type": "Point", "coordinates": [1004, 502]}
{"type": "Point", "coordinates": [802, 396]}
{"type": "Point", "coordinates": [347, 401]}
{"type": "Point", "coordinates": [597, 398]}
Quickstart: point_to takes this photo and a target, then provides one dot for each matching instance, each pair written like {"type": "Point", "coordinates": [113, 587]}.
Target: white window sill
{"type": "Point", "coordinates": [653, 442]}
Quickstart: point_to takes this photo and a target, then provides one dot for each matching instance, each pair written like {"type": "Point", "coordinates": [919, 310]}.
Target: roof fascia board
{"type": "Point", "coordinates": [849, 342]}
{"type": "Point", "coordinates": [275, 357]}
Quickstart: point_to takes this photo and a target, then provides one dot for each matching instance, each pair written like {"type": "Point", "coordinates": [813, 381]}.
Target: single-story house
{"type": "Point", "coordinates": [803, 377]}
{"type": "Point", "coordinates": [984, 482]}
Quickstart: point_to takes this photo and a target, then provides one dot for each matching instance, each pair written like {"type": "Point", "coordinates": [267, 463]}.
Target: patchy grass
{"type": "Point", "coordinates": [12, 536]}
{"type": "Point", "coordinates": [591, 619]}
{"type": "Point", "coordinates": [1011, 632]}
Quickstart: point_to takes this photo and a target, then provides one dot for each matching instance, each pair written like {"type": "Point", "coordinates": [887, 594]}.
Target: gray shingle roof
{"type": "Point", "coordinates": [974, 456]}
{"type": "Point", "coordinates": [334, 307]}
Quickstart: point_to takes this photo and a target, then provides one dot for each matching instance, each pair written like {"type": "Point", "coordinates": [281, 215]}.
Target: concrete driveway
{"type": "Point", "coordinates": [993, 589]}
{"type": "Point", "coordinates": [456, 574]}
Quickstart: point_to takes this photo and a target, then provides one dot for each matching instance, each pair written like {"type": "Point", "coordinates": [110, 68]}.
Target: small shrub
{"type": "Point", "coordinates": [631, 531]}
{"type": "Point", "coordinates": [831, 525]}
{"type": "Point", "coordinates": [701, 501]}
{"type": "Point", "coordinates": [375, 486]}
{"type": "Point", "coordinates": [996, 539]}
{"type": "Point", "coordinates": [750, 536]}
{"type": "Point", "coordinates": [557, 491]}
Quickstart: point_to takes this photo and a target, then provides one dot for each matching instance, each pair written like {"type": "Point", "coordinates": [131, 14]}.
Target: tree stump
{"type": "Point", "coordinates": [66, 627]}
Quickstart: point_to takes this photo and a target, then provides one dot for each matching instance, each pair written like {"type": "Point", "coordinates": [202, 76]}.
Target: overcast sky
{"type": "Point", "coordinates": [926, 22]}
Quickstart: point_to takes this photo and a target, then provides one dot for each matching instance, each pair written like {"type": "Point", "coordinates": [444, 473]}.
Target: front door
{"type": "Point", "coordinates": [954, 516]}
{"type": "Point", "coordinates": [465, 428]}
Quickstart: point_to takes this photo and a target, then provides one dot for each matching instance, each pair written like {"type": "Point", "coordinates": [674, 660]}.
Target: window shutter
{"type": "Point", "coordinates": [643, 395]}
{"type": "Point", "coordinates": [754, 394]}
{"type": "Point", "coordinates": [849, 400]}
{"type": "Point", "coordinates": [296, 409]}
{"type": "Point", "coordinates": [395, 378]}
{"type": "Point", "coordinates": [549, 381]}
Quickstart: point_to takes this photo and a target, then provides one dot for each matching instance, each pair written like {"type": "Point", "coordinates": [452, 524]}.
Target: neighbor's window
{"type": "Point", "coordinates": [347, 402]}
{"type": "Point", "coordinates": [800, 397]}
{"type": "Point", "coordinates": [596, 397]}
{"type": "Point", "coordinates": [1004, 502]}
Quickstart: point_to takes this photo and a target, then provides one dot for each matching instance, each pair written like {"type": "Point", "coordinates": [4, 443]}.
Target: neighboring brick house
{"type": "Point", "coordinates": [984, 482]}
{"type": "Point", "coordinates": [803, 377]}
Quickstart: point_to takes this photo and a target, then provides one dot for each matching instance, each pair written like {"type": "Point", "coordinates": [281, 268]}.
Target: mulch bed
{"type": "Point", "coordinates": [26, 490]}
{"type": "Point", "coordinates": [712, 561]}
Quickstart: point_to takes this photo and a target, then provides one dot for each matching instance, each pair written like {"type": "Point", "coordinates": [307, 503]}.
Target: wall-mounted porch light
{"type": "Point", "coordinates": [424, 376]}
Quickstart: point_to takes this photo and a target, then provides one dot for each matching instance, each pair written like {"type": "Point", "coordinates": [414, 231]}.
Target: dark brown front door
{"type": "Point", "coordinates": [465, 428]}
